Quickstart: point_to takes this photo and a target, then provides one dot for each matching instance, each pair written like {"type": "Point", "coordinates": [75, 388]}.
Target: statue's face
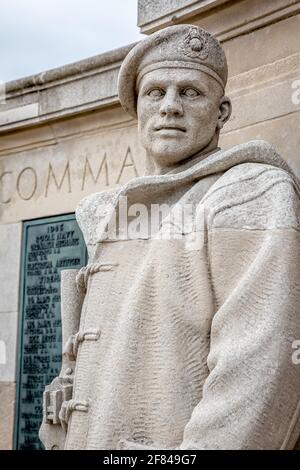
{"type": "Point", "coordinates": [179, 111]}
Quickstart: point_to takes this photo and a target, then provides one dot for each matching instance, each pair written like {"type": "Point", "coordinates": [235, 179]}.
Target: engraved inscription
{"type": "Point", "coordinates": [58, 184]}
{"type": "Point", "coordinates": [3, 181]}
{"type": "Point", "coordinates": [32, 187]}
{"type": "Point", "coordinates": [51, 179]}
{"type": "Point", "coordinates": [127, 162]}
{"type": "Point", "coordinates": [50, 246]}
{"type": "Point", "coordinates": [88, 170]}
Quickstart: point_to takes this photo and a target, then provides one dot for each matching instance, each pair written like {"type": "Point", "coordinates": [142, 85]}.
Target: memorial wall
{"type": "Point", "coordinates": [59, 143]}
{"type": "Point", "coordinates": [63, 135]}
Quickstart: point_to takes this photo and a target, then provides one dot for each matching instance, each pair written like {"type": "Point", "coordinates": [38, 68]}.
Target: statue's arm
{"type": "Point", "coordinates": [251, 397]}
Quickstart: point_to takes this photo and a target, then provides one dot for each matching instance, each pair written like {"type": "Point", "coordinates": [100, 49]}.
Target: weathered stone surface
{"type": "Point", "coordinates": [237, 19]}
{"type": "Point", "coordinates": [275, 131]}
{"type": "Point", "coordinates": [10, 250]}
{"type": "Point", "coordinates": [158, 281]}
{"type": "Point", "coordinates": [255, 78]}
{"type": "Point", "coordinates": [187, 46]}
{"type": "Point", "coordinates": [21, 113]}
{"type": "Point", "coordinates": [270, 40]}
{"type": "Point", "coordinates": [224, 19]}
{"type": "Point", "coordinates": [57, 396]}
{"type": "Point", "coordinates": [261, 40]}
{"type": "Point", "coordinates": [187, 335]}
{"type": "Point", "coordinates": [162, 13]}
{"type": "Point", "coordinates": [7, 404]}
{"type": "Point", "coordinates": [85, 85]}
{"type": "Point", "coordinates": [8, 344]}
{"type": "Point", "coordinates": [52, 171]}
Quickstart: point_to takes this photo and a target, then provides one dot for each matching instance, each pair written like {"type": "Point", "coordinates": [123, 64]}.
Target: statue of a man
{"type": "Point", "coordinates": [187, 329]}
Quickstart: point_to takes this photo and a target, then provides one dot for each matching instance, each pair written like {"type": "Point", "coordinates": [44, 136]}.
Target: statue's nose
{"type": "Point", "coordinates": [171, 105]}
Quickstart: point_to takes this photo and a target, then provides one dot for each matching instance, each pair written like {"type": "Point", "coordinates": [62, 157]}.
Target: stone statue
{"type": "Point", "coordinates": [191, 299]}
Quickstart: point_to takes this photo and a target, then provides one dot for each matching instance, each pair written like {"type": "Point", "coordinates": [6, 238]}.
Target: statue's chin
{"type": "Point", "coordinates": [169, 155]}
{"type": "Point", "coordinates": [173, 156]}
{"type": "Point", "coordinates": [165, 161]}
{"type": "Point", "coordinates": [170, 150]}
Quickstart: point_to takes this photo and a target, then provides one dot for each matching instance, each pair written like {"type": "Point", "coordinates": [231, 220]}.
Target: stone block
{"type": "Point", "coordinates": [10, 251]}
{"type": "Point", "coordinates": [282, 132]}
{"type": "Point", "coordinates": [8, 339]}
{"type": "Point", "coordinates": [7, 408]}
{"type": "Point", "coordinates": [19, 114]}
{"type": "Point", "coordinates": [49, 179]}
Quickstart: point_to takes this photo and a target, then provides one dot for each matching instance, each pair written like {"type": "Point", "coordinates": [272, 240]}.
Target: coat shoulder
{"type": "Point", "coordinates": [92, 210]}
{"type": "Point", "coordinates": [255, 195]}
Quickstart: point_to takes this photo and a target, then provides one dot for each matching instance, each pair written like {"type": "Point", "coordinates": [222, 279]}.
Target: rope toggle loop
{"type": "Point", "coordinates": [89, 269]}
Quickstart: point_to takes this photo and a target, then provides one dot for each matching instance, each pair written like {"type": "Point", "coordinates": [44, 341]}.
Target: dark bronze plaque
{"type": "Point", "coordinates": [49, 246]}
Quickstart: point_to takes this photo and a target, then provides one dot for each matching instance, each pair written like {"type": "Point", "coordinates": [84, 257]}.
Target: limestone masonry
{"type": "Point", "coordinates": [64, 138]}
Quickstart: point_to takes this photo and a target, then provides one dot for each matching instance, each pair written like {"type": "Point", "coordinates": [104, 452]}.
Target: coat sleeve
{"type": "Point", "coordinates": [251, 397]}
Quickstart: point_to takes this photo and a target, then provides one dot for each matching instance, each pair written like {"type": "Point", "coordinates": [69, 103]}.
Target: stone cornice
{"type": "Point", "coordinates": [151, 19]}
{"type": "Point", "coordinates": [231, 18]}
{"type": "Point", "coordinates": [61, 92]}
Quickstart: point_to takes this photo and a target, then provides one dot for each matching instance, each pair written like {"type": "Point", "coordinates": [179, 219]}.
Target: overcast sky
{"type": "Point", "coordinates": [37, 35]}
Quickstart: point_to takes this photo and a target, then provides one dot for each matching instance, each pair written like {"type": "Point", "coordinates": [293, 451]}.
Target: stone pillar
{"type": "Point", "coordinates": [10, 250]}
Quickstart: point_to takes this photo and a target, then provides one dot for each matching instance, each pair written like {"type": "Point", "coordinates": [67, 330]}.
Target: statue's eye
{"type": "Point", "coordinates": [190, 92]}
{"type": "Point", "coordinates": [155, 93]}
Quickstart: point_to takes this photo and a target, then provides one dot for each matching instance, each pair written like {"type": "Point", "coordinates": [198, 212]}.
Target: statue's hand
{"type": "Point", "coordinates": [52, 433]}
{"type": "Point", "coordinates": [59, 391]}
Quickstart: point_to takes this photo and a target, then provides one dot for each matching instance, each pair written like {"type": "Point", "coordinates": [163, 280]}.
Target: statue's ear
{"type": "Point", "coordinates": [225, 109]}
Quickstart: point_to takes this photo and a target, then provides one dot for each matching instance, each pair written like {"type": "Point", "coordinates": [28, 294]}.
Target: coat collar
{"type": "Point", "coordinates": [256, 151]}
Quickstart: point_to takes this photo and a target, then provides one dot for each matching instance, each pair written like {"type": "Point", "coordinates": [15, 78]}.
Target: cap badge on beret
{"type": "Point", "coordinates": [195, 45]}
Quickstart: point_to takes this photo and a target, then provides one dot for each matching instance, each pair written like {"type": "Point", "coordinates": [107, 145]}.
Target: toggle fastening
{"type": "Point", "coordinates": [72, 345]}
{"type": "Point", "coordinates": [89, 269]}
{"type": "Point", "coordinates": [68, 407]}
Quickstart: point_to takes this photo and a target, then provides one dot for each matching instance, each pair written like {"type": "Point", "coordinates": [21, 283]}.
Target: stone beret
{"type": "Point", "coordinates": [179, 46]}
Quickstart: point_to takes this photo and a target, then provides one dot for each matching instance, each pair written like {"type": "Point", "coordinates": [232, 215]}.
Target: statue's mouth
{"type": "Point", "coordinates": [165, 127]}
